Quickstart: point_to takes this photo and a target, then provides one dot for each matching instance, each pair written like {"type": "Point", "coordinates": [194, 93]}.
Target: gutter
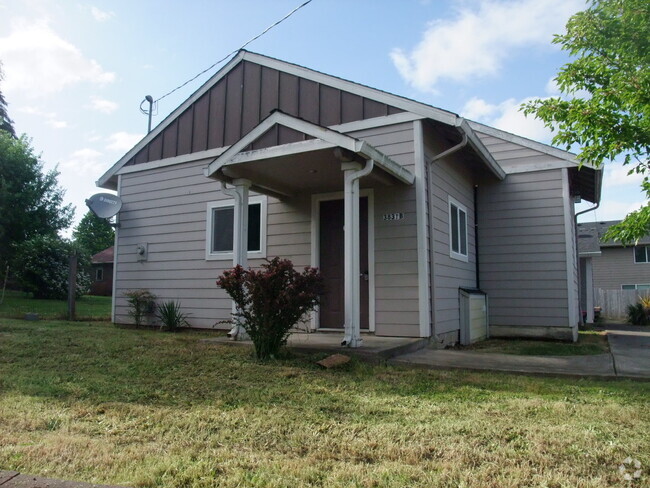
{"type": "Point", "coordinates": [581, 322]}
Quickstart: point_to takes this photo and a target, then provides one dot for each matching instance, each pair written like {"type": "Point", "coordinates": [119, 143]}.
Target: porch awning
{"type": "Point", "coordinates": [308, 165]}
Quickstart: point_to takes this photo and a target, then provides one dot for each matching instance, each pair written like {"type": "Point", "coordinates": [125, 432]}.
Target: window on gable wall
{"type": "Point", "coordinates": [457, 230]}
{"type": "Point", "coordinates": [642, 254]}
{"type": "Point", "coordinates": [220, 228]}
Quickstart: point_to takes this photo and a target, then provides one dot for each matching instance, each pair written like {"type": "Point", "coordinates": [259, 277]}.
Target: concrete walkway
{"type": "Point", "coordinates": [13, 479]}
{"type": "Point", "coordinates": [629, 357]}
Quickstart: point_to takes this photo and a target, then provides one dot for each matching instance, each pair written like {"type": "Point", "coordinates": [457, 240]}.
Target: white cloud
{"type": "Point", "coordinates": [101, 15]}
{"type": "Point", "coordinates": [122, 141]}
{"type": "Point", "coordinates": [83, 161]}
{"type": "Point", "coordinates": [478, 40]}
{"type": "Point", "coordinates": [102, 105]}
{"type": "Point", "coordinates": [507, 116]}
{"type": "Point", "coordinates": [38, 62]}
{"type": "Point", "coordinates": [613, 210]}
{"type": "Point", "coordinates": [617, 175]}
{"type": "Point", "coordinates": [50, 118]}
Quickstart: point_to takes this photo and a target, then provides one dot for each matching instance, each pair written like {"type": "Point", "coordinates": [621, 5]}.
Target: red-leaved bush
{"type": "Point", "coordinates": [271, 300]}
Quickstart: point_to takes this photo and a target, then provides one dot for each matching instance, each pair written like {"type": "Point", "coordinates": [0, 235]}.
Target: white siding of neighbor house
{"type": "Point", "coordinates": [450, 177]}
{"type": "Point", "coordinates": [166, 208]}
{"type": "Point", "coordinates": [615, 267]}
{"type": "Point", "coordinates": [523, 250]}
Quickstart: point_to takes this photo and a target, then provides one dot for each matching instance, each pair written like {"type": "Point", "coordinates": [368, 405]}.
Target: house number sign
{"type": "Point", "coordinates": [393, 216]}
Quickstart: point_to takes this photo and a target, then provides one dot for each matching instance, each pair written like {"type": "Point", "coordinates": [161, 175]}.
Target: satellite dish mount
{"type": "Point", "coordinates": [105, 206]}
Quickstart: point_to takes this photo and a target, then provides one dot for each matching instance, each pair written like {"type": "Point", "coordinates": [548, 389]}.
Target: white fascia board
{"type": "Point", "coordinates": [324, 134]}
{"type": "Point", "coordinates": [523, 141]}
{"type": "Point", "coordinates": [170, 118]}
{"type": "Point", "coordinates": [210, 154]}
{"type": "Point", "coordinates": [537, 166]}
{"type": "Point", "coordinates": [355, 88]}
{"type": "Point", "coordinates": [284, 150]}
{"type": "Point", "coordinates": [476, 143]}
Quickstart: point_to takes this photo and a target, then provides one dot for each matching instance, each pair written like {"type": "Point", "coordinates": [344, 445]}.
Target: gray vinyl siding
{"type": "Point", "coordinates": [522, 239]}
{"type": "Point", "coordinates": [615, 267]}
{"type": "Point", "coordinates": [396, 265]}
{"type": "Point", "coordinates": [166, 208]}
{"type": "Point", "coordinates": [510, 155]}
{"type": "Point", "coordinates": [450, 177]}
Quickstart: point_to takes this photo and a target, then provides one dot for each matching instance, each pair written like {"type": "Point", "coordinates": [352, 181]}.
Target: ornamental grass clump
{"type": "Point", "coordinates": [639, 313]}
{"type": "Point", "coordinates": [171, 316]}
{"type": "Point", "coordinates": [271, 300]}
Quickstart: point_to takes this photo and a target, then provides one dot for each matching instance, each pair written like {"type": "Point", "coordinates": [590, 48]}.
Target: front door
{"type": "Point", "coordinates": [332, 310]}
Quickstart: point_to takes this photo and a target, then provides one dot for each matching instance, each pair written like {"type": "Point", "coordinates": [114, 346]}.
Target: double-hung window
{"type": "Point", "coordinates": [457, 230]}
{"type": "Point", "coordinates": [642, 254]}
{"type": "Point", "coordinates": [220, 228]}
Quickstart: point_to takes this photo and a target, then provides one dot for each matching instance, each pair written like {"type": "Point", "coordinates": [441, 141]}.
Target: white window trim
{"type": "Point", "coordinates": [453, 254]}
{"type": "Point", "coordinates": [635, 285]}
{"type": "Point", "coordinates": [222, 256]}
{"type": "Point", "coordinates": [647, 261]}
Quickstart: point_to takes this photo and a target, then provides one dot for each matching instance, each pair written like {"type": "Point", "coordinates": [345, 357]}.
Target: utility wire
{"type": "Point", "coordinates": [235, 51]}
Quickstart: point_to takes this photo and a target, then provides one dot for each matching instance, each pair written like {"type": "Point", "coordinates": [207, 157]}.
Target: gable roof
{"type": "Point", "coordinates": [590, 237]}
{"type": "Point", "coordinates": [397, 102]}
{"type": "Point", "coordinates": [105, 256]}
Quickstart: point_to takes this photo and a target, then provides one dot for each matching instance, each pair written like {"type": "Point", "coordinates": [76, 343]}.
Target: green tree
{"type": "Point", "coordinates": [42, 267]}
{"type": "Point", "coordinates": [606, 110]}
{"type": "Point", "coordinates": [93, 234]}
{"type": "Point", "coordinates": [6, 123]}
{"type": "Point", "coordinates": [31, 201]}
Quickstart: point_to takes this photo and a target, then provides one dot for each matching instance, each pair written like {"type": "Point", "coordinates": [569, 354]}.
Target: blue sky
{"type": "Point", "coordinates": [76, 71]}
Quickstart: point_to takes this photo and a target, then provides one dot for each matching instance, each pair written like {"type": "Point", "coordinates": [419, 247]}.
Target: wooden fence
{"type": "Point", "coordinates": [614, 302]}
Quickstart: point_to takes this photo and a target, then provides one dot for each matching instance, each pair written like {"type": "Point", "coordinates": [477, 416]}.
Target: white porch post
{"type": "Point", "coordinates": [352, 281]}
{"type": "Point", "coordinates": [240, 237]}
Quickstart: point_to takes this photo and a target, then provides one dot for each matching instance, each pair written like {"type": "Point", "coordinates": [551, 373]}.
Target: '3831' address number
{"type": "Point", "coordinates": [393, 216]}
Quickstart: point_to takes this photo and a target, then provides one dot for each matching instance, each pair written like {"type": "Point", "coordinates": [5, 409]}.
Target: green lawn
{"type": "Point", "coordinates": [92, 402]}
{"type": "Point", "coordinates": [16, 304]}
{"type": "Point", "coordinates": [589, 342]}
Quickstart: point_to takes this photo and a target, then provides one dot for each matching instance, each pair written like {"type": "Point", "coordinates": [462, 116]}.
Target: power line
{"type": "Point", "coordinates": [235, 51]}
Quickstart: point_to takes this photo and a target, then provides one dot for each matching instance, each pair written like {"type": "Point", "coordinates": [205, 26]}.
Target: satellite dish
{"type": "Point", "coordinates": [104, 205]}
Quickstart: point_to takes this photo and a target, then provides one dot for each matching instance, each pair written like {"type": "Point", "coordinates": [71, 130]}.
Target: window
{"type": "Point", "coordinates": [457, 230]}
{"type": "Point", "coordinates": [99, 274]}
{"type": "Point", "coordinates": [220, 228]}
{"type": "Point", "coordinates": [642, 254]}
{"type": "Point", "coordinates": [636, 287]}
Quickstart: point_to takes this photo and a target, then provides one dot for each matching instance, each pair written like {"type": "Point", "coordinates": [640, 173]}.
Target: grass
{"type": "Point", "coordinates": [96, 403]}
{"type": "Point", "coordinates": [16, 304]}
{"type": "Point", "coordinates": [589, 342]}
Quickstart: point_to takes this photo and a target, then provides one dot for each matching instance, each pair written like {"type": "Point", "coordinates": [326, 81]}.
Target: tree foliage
{"type": "Point", "coordinates": [31, 201]}
{"type": "Point", "coordinates": [6, 123]}
{"type": "Point", "coordinates": [93, 233]}
{"type": "Point", "coordinates": [606, 111]}
{"type": "Point", "coordinates": [42, 265]}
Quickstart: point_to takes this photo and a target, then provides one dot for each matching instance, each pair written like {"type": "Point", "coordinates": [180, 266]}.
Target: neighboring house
{"type": "Point", "coordinates": [414, 214]}
{"type": "Point", "coordinates": [102, 273]}
{"type": "Point", "coordinates": [609, 265]}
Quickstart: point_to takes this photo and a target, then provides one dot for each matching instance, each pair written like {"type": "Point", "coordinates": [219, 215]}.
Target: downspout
{"type": "Point", "coordinates": [432, 253]}
{"type": "Point", "coordinates": [476, 253]}
{"type": "Point", "coordinates": [237, 330]}
{"type": "Point", "coordinates": [352, 270]}
{"type": "Point", "coordinates": [581, 322]}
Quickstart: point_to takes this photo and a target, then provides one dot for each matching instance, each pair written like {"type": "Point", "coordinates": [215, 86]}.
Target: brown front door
{"type": "Point", "coordinates": [332, 310]}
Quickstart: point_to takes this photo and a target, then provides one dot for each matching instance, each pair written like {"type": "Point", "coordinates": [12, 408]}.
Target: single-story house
{"type": "Point", "coordinates": [102, 272]}
{"type": "Point", "coordinates": [423, 223]}
{"type": "Point", "coordinates": [609, 265]}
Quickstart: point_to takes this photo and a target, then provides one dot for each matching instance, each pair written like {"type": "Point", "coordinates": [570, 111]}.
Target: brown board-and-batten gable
{"type": "Point", "coordinates": [245, 96]}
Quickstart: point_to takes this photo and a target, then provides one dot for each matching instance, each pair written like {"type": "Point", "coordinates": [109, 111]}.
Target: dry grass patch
{"type": "Point", "coordinates": [140, 408]}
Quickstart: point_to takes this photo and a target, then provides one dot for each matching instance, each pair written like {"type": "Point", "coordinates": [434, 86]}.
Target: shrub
{"type": "Point", "coordinates": [639, 313]}
{"type": "Point", "coordinates": [141, 303]}
{"type": "Point", "coordinates": [171, 316]}
{"type": "Point", "coordinates": [42, 267]}
{"type": "Point", "coordinates": [270, 301]}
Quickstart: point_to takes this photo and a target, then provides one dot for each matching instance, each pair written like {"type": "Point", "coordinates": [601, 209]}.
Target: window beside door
{"type": "Point", "coordinates": [220, 226]}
